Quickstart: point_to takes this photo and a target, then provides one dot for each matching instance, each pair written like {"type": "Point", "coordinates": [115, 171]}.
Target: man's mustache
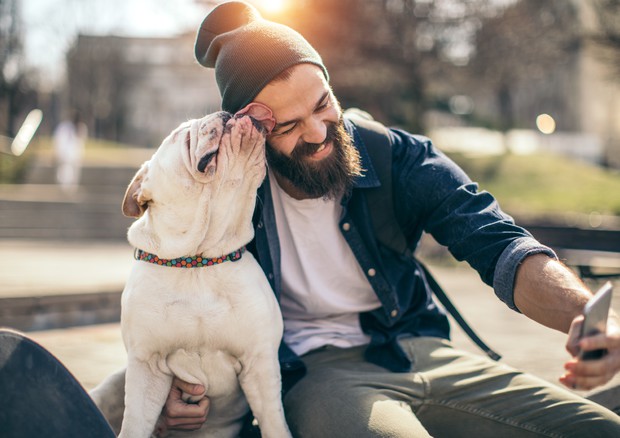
{"type": "Point", "coordinates": [305, 149]}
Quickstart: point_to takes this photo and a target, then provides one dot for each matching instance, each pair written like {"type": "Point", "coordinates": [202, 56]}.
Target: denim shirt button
{"type": "Point", "coordinates": [394, 313]}
{"type": "Point", "coordinates": [372, 272]}
{"type": "Point", "coordinates": [346, 226]}
{"type": "Point", "coordinates": [259, 225]}
{"type": "Point", "coordinates": [270, 275]}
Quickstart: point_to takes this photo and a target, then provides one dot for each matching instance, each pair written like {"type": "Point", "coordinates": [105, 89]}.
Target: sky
{"type": "Point", "coordinates": [50, 26]}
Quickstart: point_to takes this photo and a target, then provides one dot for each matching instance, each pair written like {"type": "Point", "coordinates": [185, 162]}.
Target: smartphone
{"type": "Point", "coordinates": [595, 319]}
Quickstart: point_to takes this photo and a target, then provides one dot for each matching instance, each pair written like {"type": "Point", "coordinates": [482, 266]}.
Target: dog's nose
{"type": "Point", "coordinates": [224, 116]}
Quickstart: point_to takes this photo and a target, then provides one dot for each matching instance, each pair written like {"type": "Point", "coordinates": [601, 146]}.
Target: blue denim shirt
{"type": "Point", "coordinates": [431, 194]}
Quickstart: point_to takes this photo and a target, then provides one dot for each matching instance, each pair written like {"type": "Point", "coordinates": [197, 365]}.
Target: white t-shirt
{"type": "Point", "coordinates": [323, 287]}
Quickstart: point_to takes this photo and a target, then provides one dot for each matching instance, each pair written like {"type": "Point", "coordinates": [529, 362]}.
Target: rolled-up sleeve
{"type": "Point", "coordinates": [435, 194]}
{"type": "Point", "coordinates": [508, 263]}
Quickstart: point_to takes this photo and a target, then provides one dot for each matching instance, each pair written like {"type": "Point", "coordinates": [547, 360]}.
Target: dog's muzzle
{"type": "Point", "coordinates": [205, 160]}
{"type": "Point", "coordinates": [224, 116]}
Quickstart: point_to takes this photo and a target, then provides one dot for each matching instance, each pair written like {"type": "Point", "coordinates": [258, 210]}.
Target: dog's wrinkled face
{"type": "Point", "coordinates": [203, 168]}
{"type": "Point", "coordinates": [202, 141]}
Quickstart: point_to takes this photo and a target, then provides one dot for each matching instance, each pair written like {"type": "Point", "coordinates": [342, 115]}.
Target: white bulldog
{"type": "Point", "coordinates": [218, 324]}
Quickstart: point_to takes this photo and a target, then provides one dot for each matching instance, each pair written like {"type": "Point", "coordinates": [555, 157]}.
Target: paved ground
{"type": "Point", "coordinates": [92, 352]}
{"type": "Point", "coordinates": [40, 268]}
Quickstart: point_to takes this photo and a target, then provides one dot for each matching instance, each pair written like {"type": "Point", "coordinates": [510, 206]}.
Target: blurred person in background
{"type": "Point", "coordinates": [69, 140]}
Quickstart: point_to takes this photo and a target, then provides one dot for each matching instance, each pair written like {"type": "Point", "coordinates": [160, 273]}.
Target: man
{"type": "Point", "coordinates": [365, 349]}
{"type": "Point", "coordinates": [69, 142]}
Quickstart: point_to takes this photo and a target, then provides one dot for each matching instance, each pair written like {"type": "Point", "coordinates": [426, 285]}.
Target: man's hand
{"type": "Point", "coordinates": [588, 374]}
{"type": "Point", "coordinates": [180, 415]}
{"type": "Point", "coordinates": [550, 293]}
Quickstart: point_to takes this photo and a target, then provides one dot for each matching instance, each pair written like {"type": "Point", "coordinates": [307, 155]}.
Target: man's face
{"type": "Point", "coordinates": [309, 146]}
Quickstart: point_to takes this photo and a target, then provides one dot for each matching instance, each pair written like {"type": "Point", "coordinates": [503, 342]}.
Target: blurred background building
{"type": "Point", "coordinates": [136, 90]}
{"type": "Point", "coordinates": [420, 64]}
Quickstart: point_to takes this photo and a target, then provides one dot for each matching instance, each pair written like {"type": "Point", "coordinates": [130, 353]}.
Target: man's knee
{"type": "Point", "coordinates": [339, 408]}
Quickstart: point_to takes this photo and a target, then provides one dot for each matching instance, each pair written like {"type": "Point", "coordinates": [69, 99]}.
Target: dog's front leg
{"type": "Point", "coordinates": [262, 387]}
{"type": "Point", "coordinates": [146, 390]}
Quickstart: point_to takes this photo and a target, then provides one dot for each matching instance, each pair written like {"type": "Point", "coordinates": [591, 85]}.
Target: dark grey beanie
{"type": "Point", "coordinates": [248, 51]}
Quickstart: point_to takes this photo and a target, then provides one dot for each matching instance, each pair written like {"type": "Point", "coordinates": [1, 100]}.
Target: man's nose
{"type": "Point", "coordinates": [315, 131]}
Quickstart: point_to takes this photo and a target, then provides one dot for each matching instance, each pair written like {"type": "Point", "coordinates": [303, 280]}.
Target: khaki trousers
{"type": "Point", "coordinates": [448, 393]}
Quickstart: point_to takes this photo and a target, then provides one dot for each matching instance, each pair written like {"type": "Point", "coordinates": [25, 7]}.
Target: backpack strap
{"type": "Point", "coordinates": [449, 306]}
{"type": "Point", "coordinates": [381, 207]}
{"type": "Point", "coordinates": [375, 137]}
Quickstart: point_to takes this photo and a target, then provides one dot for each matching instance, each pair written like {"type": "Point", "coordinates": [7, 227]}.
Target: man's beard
{"type": "Point", "coordinates": [328, 178]}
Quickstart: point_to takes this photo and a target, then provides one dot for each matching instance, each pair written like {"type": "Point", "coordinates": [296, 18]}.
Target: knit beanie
{"type": "Point", "coordinates": [248, 51]}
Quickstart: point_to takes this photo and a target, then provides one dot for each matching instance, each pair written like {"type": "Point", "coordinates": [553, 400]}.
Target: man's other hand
{"type": "Point", "coordinates": [588, 374]}
{"type": "Point", "coordinates": [180, 415]}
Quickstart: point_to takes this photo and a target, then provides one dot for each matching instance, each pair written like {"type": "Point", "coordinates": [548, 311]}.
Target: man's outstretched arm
{"type": "Point", "coordinates": [550, 293]}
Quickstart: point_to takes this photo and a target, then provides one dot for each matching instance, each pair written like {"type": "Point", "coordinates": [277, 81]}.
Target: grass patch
{"type": "Point", "coordinates": [537, 184]}
{"type": "Point", "coordinates": [13, 169]}
{"type": "Point", "coordinates": [45, 144]}
{"type": "Point", "coordinates": [545, 183]}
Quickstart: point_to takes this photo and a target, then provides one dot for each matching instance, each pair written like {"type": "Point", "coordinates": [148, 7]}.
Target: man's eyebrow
{"type": "Point", "coordinates": [290, 122]}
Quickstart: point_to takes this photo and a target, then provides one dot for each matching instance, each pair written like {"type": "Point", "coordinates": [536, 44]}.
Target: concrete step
{"type": "Point", "coordinates": [62, 220]}
{"type": "Point", "coordinates": [59, 311]}
{"type": "Point", "coordinates": [104, 193]}
{"type": "Point", "coordinates": [100, 166]}
{"type": "Point", "coordinates": [91, 175]}
{"type": "Point", "coordinates": [35, 211]}
{"type": "Point", "coordinates": [40, 209]}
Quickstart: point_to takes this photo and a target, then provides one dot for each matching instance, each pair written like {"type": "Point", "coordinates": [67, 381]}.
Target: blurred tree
{"type": "Point", "coordinates": [15, 90]}
{"type": "Point", "coordinates": [607, 36]}
{"type": "Point", "coordinates": [98, 83]}
{"type": "Point", "coordinates": [528, 39]}
{"type": "Point", "coordinates": [380, 52]}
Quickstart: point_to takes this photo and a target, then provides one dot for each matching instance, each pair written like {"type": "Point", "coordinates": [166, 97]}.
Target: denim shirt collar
{"type": "Point", "coordinates": [369, 179]}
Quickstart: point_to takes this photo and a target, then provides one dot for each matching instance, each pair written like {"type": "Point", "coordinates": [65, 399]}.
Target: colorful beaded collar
{"type": "Point", "coordinates": [188, 261]}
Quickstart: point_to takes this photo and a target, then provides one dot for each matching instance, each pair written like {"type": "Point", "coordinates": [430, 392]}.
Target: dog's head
{"type": "Point", "coordinates": [196, 195]}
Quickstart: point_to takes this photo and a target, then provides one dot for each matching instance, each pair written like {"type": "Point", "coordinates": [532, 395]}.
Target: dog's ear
{"type": "Point", "coordinates": [135, 202]}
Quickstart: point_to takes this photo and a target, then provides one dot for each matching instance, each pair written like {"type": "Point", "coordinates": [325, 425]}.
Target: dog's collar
{"type": "Point", "coordinates": [188, 261]}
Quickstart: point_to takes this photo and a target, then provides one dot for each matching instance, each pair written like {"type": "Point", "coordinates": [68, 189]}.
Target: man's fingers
{"type": "Point", "coordinates": [581, 383]}
{"type": "Point", "coordinates": [587, 368]}
{"type": "Point", "coordinates": [180, 409]}
{"type": "Point", "coordinates": [179, 415]}
{"type": "Point", "coordinates": [184, 423]}
{"type": "Point", "coordinates": [593, 342]}
{"type": "Point", "coordinates": [187, 417]}
{"type": "Point", "coordinates": [588, 374]}
{"type": "Point", "coordinates": [572, 344]}
{"type": "Point", "coordinates": [189, 388]}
